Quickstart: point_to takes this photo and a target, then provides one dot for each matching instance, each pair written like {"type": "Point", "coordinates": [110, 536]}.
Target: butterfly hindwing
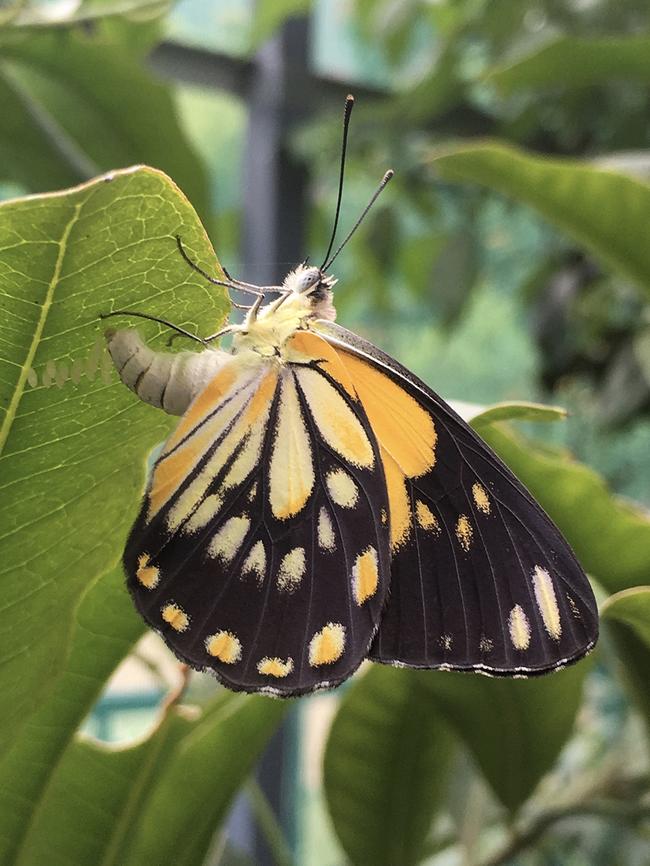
{"type": "Point", "coordinates": [261, 551]}
{"type": "Point", "coordinates": [481, 579]}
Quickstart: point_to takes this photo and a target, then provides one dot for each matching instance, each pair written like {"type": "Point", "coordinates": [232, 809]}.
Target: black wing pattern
{"type": "Point", "coordinates": [262, 549]}
{"type": "Point", "coordinates": [481, 578]}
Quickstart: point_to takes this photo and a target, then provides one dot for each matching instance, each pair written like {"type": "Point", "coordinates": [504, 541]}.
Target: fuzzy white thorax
{"type": "Point", "coordinates": [309, 295]}
{"type": "Point", "coordinates": [171, 381]}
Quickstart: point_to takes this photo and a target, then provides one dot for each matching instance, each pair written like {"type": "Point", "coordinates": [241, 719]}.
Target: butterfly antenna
{"type": "Point", "coordinates": [349, 105]}
{"type": "Point", "coordinates": [377, 192]}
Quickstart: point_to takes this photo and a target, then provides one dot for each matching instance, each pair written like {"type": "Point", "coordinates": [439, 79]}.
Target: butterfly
{"type": "Point", "coordinates": [318, 505]}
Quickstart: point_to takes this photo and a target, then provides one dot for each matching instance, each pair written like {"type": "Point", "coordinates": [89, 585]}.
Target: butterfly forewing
{"type": "Point", "coordinates": [262, 548]}
{"type": "Point", "coordinates": [481, 579]}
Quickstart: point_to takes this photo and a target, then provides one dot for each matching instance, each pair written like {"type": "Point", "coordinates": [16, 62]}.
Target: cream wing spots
{"type": "Point", "coordinates": [467, 539]}
{"type": "Point", "coordinates": [291, 475]}
{"type": "Point", "coordinates": [259, 573]}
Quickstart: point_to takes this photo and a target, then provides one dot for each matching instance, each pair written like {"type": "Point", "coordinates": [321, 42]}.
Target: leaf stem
{"type": "Point", "coordinates": [609, 809]}
{"type": "Point", "coordinates": [269, 825]}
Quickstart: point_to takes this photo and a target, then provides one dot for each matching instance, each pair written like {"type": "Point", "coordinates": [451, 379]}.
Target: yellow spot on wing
{"type": "Point", "coordinates": [398, 501]}
{"type": "Point", "coordinates": [365, 575]}
{"type": "Point", "coordinates": [291, 474]}
{"type": "Point", "coordinates": [248, 458]}
{"type": "Point", "coordinates": [481, 498]}
{"type": "Point", "coordinates": [275, 667]}
{"type": "Point", "coordinates": [229, 538]}
{"type": "Point", "coordinates": [223, 645]}
{"type": "Point", "coordinates": [336, 422]}
{"type": "Point", "coordinates": [292, 569]}
{"type": "Point", "coordinates": [306, 346]}
{"type": "Point", "coordinates": [342, 488]}
{"type": "Point", "coordinates": [256, 562]}
{"type": "Point", "coordinates": [173, 468]}
{"type": "Point", "coordinates": [575, 610]}
{"type": "Point", "coordinates": [175, 616]}
{"type": "Point", "coordinates": [148, 575]}
{"type": "Point", "coordinates": [427, 520]}
{"type": "Point", "coordinates": [327, 645]}
{"type": "Point", "coordinates": [464, 532]}
{"type": "Point", "coordinates": [206, 512]}
{"type": "Point", "coordinates": [326, 537]}
{"type": "Point", "coordinates": [485, 644]}
{"type": "Point", "coordinates": [547, 602]}
{"type": "Point", "coordinates": [205, 403]}
{"type": "Point", "coordinates": [402, 427]}
{"type": "Point", "coordinates": [519, 628]}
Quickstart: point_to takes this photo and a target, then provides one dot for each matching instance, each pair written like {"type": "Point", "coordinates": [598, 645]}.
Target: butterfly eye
{"type": "Point", "coordinates": [309, 278]}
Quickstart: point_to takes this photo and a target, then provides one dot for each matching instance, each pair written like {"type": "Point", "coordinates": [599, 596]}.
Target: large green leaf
{"type": "Point", "coordinates": [572, 62]}
{"type": "Point", "coordinates": [72, 458]}
{"type": "Point", "coordinates": [160, 801]}
{"type": "Point", "coordinates": [47, 16]}
{"type": "Point", "coordinates": [611, 536]}
{"type": "Point", "coordinates": [190, 797]}
{"type": "Point", "coordinates": [631, 607]}
{"type": "Point", "coordinates": [627, 618]}
{"type": "Point", "coordinates": [272, 14]}
{"type": "Point", "coordinates": [64, 122]}
{"type": "Point", "coordinates": [104, 626]}
{"type": "Point", "coordinates": [94, 796]}
{"type": "Point", "coordinates": [514, 728]}
{"type": "Point", "coordinates": [602, 210]}
{"type": "Point", "coordinates": [386, 767]}
{"type": "Point", "coordinates": [510, 410]}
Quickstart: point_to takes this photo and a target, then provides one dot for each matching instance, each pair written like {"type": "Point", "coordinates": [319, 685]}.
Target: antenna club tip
{"type": "Point", "coordinates": [388, 175]}
{"type": "Point", "coordinates": [349, 98]}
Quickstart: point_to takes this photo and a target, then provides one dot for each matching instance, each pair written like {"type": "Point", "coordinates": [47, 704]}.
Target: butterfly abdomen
{"type": "Point", "coordinates": [167, 380]}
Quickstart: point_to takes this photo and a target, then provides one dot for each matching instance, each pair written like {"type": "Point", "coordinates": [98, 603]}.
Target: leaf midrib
{"type": "Point", "coordinates": [27, 365]}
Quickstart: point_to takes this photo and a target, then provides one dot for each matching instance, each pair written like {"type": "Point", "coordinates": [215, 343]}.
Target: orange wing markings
{"type": "Point", "coordinates": [405, 433]}
{"type": "Point", "coordinates": [401, 517]}
{"type": "Point", "coordinates": [306, 346]}
{"type": "Point", "coordinates": [403, 428]}
{"type": "Point", "coordinates": [336, 422]}
{"type": "Point", "coordinates": [206, 402]}
{"type": "Point", "coordinates": [252, 401]}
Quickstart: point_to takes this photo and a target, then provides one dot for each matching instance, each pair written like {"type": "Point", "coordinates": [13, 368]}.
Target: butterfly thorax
{"type": "Point", "coordinates": [307, 296]}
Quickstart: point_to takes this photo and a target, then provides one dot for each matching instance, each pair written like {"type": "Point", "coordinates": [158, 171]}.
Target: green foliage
{"type": "Point", "coordinates": [64, 123]}
{"type": "Point", "coordinates": [74, 444]}
{"type": "Point", "coordinates": [515, 718]}
{"type": "Point", "coordinates": [68, 491]}
{"type": "Point", "coordinates": [603, 210]}
{"type": "Point", "coordinates": [627, 618]}
{"type": "Point", "coordinates": [156, 802]}
{"type": "Point", "coordinates": [103, 628]}
{"type": "Point", "coordinates": [386, 767]}
{"type": "Point", "coordinates": [610, 536]}
{"type": "Point", "coordinates": [573, 63]}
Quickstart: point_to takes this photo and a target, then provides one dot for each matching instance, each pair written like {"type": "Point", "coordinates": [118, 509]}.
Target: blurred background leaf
{"type": "Point", "coordinates": [385, 768]}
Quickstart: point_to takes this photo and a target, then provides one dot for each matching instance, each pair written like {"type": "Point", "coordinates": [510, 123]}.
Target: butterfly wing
{"type": "Point", "coordinates": [260, 551]}
{"type": "Point", "coordinates": [481, 578]}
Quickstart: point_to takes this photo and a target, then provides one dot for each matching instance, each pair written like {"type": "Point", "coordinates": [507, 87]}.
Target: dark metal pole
{"type": "Point", "coordinates": [275, 182]}
{"type": "Point", "coordinates": [275, 210]}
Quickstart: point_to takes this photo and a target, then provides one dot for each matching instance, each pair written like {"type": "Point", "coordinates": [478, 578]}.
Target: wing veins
{"type": "Point", "coordinates": [421, 581]}
{"type": "Point", "coordinates": [316, 439]}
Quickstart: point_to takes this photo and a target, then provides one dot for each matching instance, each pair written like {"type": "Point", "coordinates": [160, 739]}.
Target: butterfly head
{"type": "Point", "coordinates": [315, 286]}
